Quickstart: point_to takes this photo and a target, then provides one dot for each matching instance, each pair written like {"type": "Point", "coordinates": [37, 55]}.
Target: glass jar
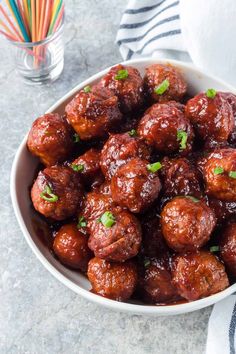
{"type": "Point", "coordinates": [40, 62]}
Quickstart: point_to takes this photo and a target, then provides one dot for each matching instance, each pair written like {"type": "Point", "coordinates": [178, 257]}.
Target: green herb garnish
{"type": "Point", "coordinates": [107, 219]}
{"type": "Point", "coordinates": [195, 200]}
{"type": "Point", "coordinates": [48, 195]}
{"type": "Point", "coordinates": [182, 137]}
{"type": "Point", "coordinates": [121, 74]}
{"type": "Point", "coordinates": [81, 222]}
{"type": "Point", "coordinates": [218, 170]}
{"type": "Point", "coordinates": [232, 174]}
{"type": "Point", "coordinates": [210, 93]}
{"type": "Point", "coordinates": [132, 132]}
{"type": "Point", "coordinates": [160, 89]}
{"type": "Point", "coordinates": [77, 168]}
{"type": "Point", "coordinates": [146, 262]}
{"type": "Point", "coordinates": [154, 167]}
{"type": "Point", "coordinates": [87, 89]}
{"type": "Point", "coordinates": [214, 249]}
{"type": "Point", "coordinates": [76, 138]}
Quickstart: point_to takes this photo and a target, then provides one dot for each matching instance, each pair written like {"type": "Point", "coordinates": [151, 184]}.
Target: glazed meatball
{"type": "Point", "coordinates": [165, 128]}
{"type": "Point", "coordinates": [120, 148]}
{"type": "Point", "coordinates": [156, 74]}
{"type": "Point", "coordinates": [219, 173]}
{"type": "Point", "coordinates": [93, 114]}
{"type": "Point", "coordinates": [88, 165]}
{"type": "Point", "coordinates": [231, 99]}
{"type": "Point", "coordinates": [57, 192]}
{"type": "Point", "coordinates": [96, 204]}
{"type": "Point", "coordinates": [198, 275]}
{"type": "Point", "coordinates": [50, 138]}
{"type": "Point", "coordinates": [127, 84]}
{"type": "Point", "coordinates": [153, 242]}
{"type": "Point", "coordinates": [222, 209]}
{"type": "Point", "coordinates": [117, 241]}
{"type": "Point", "coordinates": [228, 248]}
{"type": "Point", "coordinates": [211, 117]}
{"type": "Point", "coordinates": [187, 223]}
{"type": "Point", "coordinates": [115, 281]}
{"type": "Point", "coordinates": [134, 186]}
{"type": "Point", "coordinates": [155, 281]}
{"type": "Point", "coordinates": [71, 247]}
{"type": "Point", "coordinates": [180, 177]}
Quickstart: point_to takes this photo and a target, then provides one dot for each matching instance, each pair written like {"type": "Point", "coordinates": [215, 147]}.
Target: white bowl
{"type": "Point", "coordinates": [22, 174]}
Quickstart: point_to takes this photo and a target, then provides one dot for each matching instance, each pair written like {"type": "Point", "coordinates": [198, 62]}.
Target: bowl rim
{"type": "Point", "coordinates": [112, 304]}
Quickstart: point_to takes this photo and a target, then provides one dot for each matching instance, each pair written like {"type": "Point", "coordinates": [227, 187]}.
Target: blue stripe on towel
{"type": "Point", "coordinates": [143, 9]}
{"type": "Point", "coordinates": [161, 35]}
{"type": "Point", "coordinates": [140, 24]}
{"type": "Point", "coordinates": [232, 331]}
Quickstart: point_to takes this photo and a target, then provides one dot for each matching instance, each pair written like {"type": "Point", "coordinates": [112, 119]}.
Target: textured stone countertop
{"type": "Point", "coordinates": [39, 315]}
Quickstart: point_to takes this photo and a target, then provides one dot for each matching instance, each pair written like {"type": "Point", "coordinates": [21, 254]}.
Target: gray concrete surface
{"type": "Point", "coordinates": [38, 315]}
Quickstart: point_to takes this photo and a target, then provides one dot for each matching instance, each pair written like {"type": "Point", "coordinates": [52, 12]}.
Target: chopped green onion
{"type": "Point", "coordinates": [48, 192]}
{"type": "Point", "coordinates": [122, 74]}
{"type": "Point", "coordinates": [160, 89]}
{"type": "Point", "coordinates": [146, 262]}
{"type": "Point", "coordinates": [77, 168]}
{"type": "Point", "coordinates": [232, 174]}
{"type": "Point", "coordinates": [214, 249]}
{"type": "Point", "coordinates": [87, 89]}
{"type": "Point", "coordinates": [182, 137]}
{"type": "Point", "coordinates": [132, 132]}
{"type": "Point", "coordinates": [81, 222]}
{"type": "Point", "coordinates": [218, 170]}
{"type": "Point", "coordinates": [154, 167]}
{"type": "Point", "coordinates": [107, 219]}
{"type": "Point", "coordinates": [210, 93]}
{"type": "Point", "coordinates": [195, 200]}
{"type": "Point", "coordinates": [76, 138]}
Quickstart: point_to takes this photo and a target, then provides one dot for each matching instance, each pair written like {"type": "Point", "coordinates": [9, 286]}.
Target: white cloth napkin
{"type": "Point", "coordinates": [198, 29]}
{"type": "Point", "coordinates": [204, 32]}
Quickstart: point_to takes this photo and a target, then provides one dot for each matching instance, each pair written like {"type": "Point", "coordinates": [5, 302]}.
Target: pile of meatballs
{"type": "Point", "coordinates": [137, 182]}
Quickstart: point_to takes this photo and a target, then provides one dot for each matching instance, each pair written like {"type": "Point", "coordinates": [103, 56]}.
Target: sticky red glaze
{"type": "Point", "coordinates": [134, 187]}
{"type": "Point", "coordinates": [64, 183]}
{"type": "Point", "coordinates": [50, 139]}
{"type": "Point", "coordinates": [160, 125]}
{"type": "Point", "coordinates": [180, 177]}
{"type": "Point", "coordinates": [220, 186]}
{"type": "Point", "coordinates": [120, 148]}
{"type": "Point", "coordinates": [71, 247]}
{"type": "Point", "coordinates": [93, 115]}
{"type": "Point", "coordinates": [211, 117]}
{"type": "Point", "coordinates": [91, 172]}
{"type": "Point", "coordinates": [187, 224]}
{"type": "Point", "coordinates": [156, 74]}
{"type": "Point", "coordinates": [129, 90]}
{"type": "Point", "coordinates": [197, 275]}
{"type": "Point", "coordinates": [155, 281]}
{"type": "Point", "coordinates": [118, 242]}
{"type": "Point", "coordinates": [228, 248]}
{"type": "Point", "coordinates": [115, 281]}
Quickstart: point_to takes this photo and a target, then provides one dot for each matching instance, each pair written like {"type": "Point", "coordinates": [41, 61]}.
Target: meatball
{"type": "Point", "coordinates": [222, 209]}
{"type": "Point", "coordinates": [50, 138]}
{"type": "Point", "coordinates": [180, 177]}
{"type": "Point", "coordinates": [71, 247]}
{"type": "Point", "coordinates": [159, 74]}
{"type": "Point", "coordinates": [165, 128]}
{"type": "Point", "coordinates": [187, 223]}
{"type": "Point", "coordinates": [127, 84]}
{"type": "Point", "coordinates": [199, 274]}
{"type": "Point", "coordinates": [88, 165]}
{"type": "Point", "coordinates": [134, 186]}
{"type": "Point", "coordinates": [155, 281]}
{"type": "Point", "coordinates": [115, 281]}
{"type": "Point", "coordinates": [57, 192]}
{"type": "Point", "coordinates": [219, 173]}
{"type": "Point", "coordinates": [228, 248]}
{"type": "Point", "coordinates": [153, 242]}
{"type": "Point", "coordinates": [120, 148]}
{"type": "Point", "coordinates": [117, 240]}
{"type": "Point", "coordinates": [231, 98]}
{"type": "Point", "coordinates": [96, 204]}
{"type": "Point", "coordinates": [211, 117]}
{"type": "Point", "coordinates": [93, 114]}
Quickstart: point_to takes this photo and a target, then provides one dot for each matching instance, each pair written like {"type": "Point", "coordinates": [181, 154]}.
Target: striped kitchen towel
{"type": "Point", "coordinates": [221, 327]}
{"type": "Point", "coordinates": [151, 27]}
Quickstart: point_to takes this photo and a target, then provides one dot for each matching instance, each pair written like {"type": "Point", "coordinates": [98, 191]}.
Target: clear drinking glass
{"type": "Point", "coordinates": [41, 62]}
